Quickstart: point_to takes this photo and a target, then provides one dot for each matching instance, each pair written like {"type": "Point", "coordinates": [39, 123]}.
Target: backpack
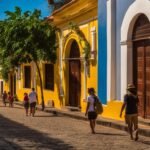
{"type": "Point", "coordinates": [98, 105]}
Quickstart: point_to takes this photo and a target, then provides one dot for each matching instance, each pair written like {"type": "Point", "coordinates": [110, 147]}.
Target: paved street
{"type": "Point", "coordinates": [50, 132]}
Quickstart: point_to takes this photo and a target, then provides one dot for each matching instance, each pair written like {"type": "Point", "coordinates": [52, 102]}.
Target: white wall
{"type": "Point", "coordinates": [121, 9]}
{"type": "Point", "coordinates": [136, 9]}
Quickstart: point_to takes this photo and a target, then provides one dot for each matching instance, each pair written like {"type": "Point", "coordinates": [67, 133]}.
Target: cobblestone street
{"type": "Point", "coordinates": [46, 131]}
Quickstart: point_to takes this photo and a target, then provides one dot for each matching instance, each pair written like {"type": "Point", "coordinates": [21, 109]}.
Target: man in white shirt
{"type": "Point", "coordinates": [32, 101]}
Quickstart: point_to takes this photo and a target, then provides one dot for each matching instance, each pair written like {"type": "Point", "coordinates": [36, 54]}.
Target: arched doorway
{"type": "Point", "coordinates": [141, 63]}
{"type": "Point", "coordinates": [74, 75]}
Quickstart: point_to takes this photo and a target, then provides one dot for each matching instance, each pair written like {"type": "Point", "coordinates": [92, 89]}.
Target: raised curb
{"type": "Point", "coordinates": [101, 121]}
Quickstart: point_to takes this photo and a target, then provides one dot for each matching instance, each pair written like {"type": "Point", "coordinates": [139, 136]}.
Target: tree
{"type": "Point", "coordinates": [25, 37]}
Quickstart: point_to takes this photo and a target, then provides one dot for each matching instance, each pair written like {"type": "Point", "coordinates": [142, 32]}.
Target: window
{"type": "Point", "coordinates": [27, 77]}
{"type": "Point", "coordinates": [49, 76]}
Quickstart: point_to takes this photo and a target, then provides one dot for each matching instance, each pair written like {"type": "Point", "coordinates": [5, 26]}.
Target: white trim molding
{"type": "Point", "coordinates": [134, 11]}
{"type": "Point", "coordinates": [111, 50]}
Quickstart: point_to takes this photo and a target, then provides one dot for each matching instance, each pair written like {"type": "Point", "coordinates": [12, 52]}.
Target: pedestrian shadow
{"type": "Point", "coordinates": [19, 136]}
{"type": "Point", "coordinates": [112, 134]}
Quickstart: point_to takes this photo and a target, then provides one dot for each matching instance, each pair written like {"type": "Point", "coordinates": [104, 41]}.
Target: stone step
{"type": "Point", "coordinates": [143, 121]}
{"type": "Point", "coordinates": [71, 108]}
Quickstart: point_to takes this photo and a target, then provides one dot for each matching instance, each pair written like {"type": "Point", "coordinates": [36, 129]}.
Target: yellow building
{"type": "Point", "coordinates": [65, 83]}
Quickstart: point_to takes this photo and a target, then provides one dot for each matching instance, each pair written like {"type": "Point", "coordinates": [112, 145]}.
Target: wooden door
{"type": "Point", "coordinates": [2, 87]}
{"type": "Point", "coordinates": [11, 84]}
{"type": "Point", "coordinates": [142, 75]}
{"type": "Point", "coordinates": [74, 76]}
{"type": "Point", "coordinates": [147, 78]}
{"type": "Point", "coordinates": [141, 64]}
{"type": "Point", "coordinates": [139, 74]}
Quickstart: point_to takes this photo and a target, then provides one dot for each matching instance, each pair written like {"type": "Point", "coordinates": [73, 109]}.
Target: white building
{"type": "Point", "coordinates": [127, 50]}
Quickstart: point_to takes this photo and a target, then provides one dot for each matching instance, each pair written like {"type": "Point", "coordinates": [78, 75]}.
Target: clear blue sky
{"type": "Point", "coordinates": [24, 5]}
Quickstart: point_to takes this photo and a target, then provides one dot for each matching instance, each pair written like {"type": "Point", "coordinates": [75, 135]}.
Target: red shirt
{"type": "Point", "coordinates": [26, 99]}
{"type": "Point", "coordinates": [10, 98]}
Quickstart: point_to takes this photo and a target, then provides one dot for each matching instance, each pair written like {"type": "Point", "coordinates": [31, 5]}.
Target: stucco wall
{"type": "Point", "coordinates": [121, 8]}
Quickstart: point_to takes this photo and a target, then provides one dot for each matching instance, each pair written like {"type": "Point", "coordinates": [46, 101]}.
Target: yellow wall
{"type": "Point", "coordinates": [84, 14]}
{"type": "Point", "coordinates": [112, 110]}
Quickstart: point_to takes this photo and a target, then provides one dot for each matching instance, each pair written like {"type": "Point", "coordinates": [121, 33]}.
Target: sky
{"type": "Point", "coordinates": [25, 5]}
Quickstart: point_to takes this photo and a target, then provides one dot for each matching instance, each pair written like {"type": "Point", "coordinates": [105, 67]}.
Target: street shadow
{"type": "Point", "coordinates": [144, 142]}
{"type": "Point", "coordinates": [19, 136]}
{"type": "Point", "coordinates": [112, 134]}
{"type": "Point", "coordinates": [47, 116]}
{"type": "Point", "coordinates": [7, 106]}
{"type": "Point", "coordinates": [18, 107]}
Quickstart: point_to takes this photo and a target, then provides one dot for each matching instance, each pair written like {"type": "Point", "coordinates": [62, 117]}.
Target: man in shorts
{"type": "Point", "coordinates": [32, 101]}
{"type": "Point", "coordinates": [131, 110]}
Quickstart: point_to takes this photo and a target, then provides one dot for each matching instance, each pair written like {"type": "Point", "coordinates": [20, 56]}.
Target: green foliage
{"type": "Point", "coordinates": [83, 41]}
{"type": "Point", "coordinates": [25, 37]}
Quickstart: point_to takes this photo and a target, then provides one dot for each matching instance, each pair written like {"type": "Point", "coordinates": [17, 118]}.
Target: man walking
{"type": "Point", "coordinates": [131, 110]}
{"type": "Point", "coordinates": [32, 100]}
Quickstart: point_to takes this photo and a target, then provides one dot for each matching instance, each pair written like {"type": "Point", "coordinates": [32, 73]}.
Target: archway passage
{"type": "Point", "coordinates": [141, 63]}
{"type": "Point", "coordinates": [74, 75]}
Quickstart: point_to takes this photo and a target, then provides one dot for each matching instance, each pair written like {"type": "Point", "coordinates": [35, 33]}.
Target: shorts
{"type": "Point", "coordinates": [92, 115]}
{"type": "Point", "coordinates": [131, 119]}
{"type": "Point", "coordinates": [26, 105]}
{"type": "Point", "coordinates": [32, 105]}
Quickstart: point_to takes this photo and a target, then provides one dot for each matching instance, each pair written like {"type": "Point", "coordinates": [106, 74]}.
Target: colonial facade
{"type": "Point", "coordinates": [118, 32]}
{"type": "Point", "coordinates": [65, 82]}
{"type": "Point", "coordinates": [126, 49]}
{"type": "Point", "coordinates": [75, 74]}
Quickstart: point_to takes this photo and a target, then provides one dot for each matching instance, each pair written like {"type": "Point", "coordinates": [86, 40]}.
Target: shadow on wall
{"type": "Point", "coordinates": [18, 136]}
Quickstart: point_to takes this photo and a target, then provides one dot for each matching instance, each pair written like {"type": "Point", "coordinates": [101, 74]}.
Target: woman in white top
{"type": "Point", "coordinates": [32, 101]}
{"type": "Point", "coordinates": [90, 109]}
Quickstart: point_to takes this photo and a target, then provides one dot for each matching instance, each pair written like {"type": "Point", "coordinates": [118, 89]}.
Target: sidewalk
{"type": "Point", "coordinates": [144, 125]}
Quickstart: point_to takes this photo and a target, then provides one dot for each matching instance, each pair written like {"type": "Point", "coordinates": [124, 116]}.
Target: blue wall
{"type": "Point", "coordinates": [121, 9]}
{"type": "Point", "coordinates": [102, 51]}
{"type": "Point", "coordinates": [24, 5]}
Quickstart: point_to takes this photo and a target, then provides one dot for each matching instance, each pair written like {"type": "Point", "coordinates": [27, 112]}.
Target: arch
{"type": "Point", "coordinates": [68, 42]}
{"type": "Point", "coordinates": [134, 11]}
{"type": "Point", "coordinates": [68, 39]}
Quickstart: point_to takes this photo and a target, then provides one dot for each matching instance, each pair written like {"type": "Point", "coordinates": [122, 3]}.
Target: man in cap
{"type": "Point", "coordinates": [131, 110]}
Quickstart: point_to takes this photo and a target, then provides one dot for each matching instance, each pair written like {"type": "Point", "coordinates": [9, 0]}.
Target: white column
{"type": "Point", "coordinates": [111, 49]}
{"type": "Point", "coordinates": [126, 66]}
{"type": "Point", "coordinates": [129, 62]}
{"type": "Point", "coordinates": [123, 69]}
